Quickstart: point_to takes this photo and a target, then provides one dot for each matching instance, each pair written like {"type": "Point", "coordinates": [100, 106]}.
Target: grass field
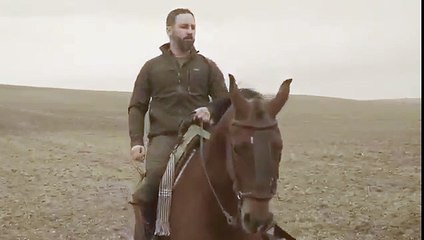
{"type": "Point", "coordinates": [350, 169]}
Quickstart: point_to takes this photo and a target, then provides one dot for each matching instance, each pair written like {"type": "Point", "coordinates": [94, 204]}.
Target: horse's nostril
{"type": "Point", "coordinates": [246, 217]}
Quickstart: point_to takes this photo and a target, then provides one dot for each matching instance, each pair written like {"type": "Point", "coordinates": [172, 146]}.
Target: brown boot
{"type": "Point", "coordinates": [149, 215]}
{"type": "Point", "coordinates": [144, 221]}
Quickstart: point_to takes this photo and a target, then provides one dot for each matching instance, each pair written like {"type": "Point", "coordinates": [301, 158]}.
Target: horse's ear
{"type": "Point", "coordinates": [239, 102]}
{"type": "Point", "coordinates": [280, 99]}
{"type": "Point", "coordinates": [233, 84]}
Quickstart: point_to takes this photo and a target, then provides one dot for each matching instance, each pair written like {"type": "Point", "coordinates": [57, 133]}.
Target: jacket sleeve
{"type": "Point", "coordinates": [139, 103]}
{"type": "Point", "coordinates": [217, 87]}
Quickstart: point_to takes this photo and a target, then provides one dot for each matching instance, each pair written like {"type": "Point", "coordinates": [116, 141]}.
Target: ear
{"type": "Point", "coordinates": [169, 30]}
{"type": "Point", "coordinates": [239, 102]}
{"type": "Point", "coordinates": [277, 103]}
{"type": "Point", "coordinates": [233, 84]}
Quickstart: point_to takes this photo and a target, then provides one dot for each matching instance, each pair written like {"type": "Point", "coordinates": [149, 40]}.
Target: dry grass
{"type": "Point", "coordinates": [350, 169]}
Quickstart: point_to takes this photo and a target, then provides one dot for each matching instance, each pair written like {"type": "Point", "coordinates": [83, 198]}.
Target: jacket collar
{"type": "Point", "coordinates": [165, 48]}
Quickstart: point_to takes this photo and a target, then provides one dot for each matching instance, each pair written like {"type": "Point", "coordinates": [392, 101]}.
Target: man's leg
{"type": "Point", "coordinates": [145, 195]}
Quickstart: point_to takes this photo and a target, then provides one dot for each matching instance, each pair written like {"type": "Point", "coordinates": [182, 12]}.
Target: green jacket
{"type": "Point", "coordinates": [171, 92]}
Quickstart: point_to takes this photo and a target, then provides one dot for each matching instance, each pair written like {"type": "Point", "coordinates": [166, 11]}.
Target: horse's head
{"type": "Point", "coordinates": [254, 148]}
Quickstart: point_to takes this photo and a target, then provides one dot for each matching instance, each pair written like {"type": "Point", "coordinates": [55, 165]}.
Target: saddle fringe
{"type": "Point", "coordinates": [162, 227]}
{"type": "Point", "coordinates": [164, 200]}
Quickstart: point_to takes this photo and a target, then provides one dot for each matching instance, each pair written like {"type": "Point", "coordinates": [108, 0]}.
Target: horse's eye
{"type": "Point", "coordinates": [241, 149]}
{"type": "Point", "coordinates": [238, 150]}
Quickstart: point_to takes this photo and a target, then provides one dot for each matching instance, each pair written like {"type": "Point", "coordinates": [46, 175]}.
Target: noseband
{"type": "Point", "coordinates": [231, 220]}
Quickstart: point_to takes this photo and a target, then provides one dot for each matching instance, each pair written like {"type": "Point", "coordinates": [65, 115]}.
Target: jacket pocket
{"type": "Point", "coordinates": [164, 81]}
{"type": "Point", "coordinates": [198, 81]}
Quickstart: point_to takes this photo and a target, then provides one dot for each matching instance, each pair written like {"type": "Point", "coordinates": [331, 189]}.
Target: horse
{"type": "Point", "coordinates": [226, 188]}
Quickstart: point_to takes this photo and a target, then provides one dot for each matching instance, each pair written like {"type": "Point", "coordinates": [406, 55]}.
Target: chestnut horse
{"type": "Point", "coordinates": [225, 190]}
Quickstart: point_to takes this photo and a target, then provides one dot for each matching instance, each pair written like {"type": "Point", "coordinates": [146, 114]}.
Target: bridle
{"type": "Point", "coordinates": [231, 220]}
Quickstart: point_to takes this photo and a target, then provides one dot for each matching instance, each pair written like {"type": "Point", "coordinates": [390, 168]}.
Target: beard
{"type": "Point", "coordinates": [184, 44]}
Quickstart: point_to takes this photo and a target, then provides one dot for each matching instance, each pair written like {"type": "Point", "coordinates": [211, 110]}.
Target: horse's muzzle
{"type": "Point", "coordinates": [255, 215]}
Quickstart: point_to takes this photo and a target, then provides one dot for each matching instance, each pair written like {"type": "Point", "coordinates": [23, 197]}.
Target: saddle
{"type": "Point", "coordinates": [187, 144]}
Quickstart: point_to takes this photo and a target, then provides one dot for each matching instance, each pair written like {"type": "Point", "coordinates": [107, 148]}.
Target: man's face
{"type": "Point", "coordinates": [183, 32]}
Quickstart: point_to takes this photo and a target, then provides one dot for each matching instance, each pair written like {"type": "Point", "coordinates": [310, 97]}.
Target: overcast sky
{"type": "Point", "coordinates": [358, 49]}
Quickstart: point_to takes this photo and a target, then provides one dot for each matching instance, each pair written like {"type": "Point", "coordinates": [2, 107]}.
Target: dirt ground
{"type": "Point", "coordinates": [350, 169]}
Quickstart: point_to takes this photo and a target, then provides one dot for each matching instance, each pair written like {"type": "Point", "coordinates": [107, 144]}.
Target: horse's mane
{"type": "Point", "coordinates": [220, 106]}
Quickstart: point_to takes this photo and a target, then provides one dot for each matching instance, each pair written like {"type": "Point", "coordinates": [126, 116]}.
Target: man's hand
{"type": "Point", "coordinates": [202, 114]}
{"type": "Point", "coordinates": [138, 153]}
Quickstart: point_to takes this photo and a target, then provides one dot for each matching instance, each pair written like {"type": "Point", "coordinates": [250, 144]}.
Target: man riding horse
{"type": "Point", "coordinates": [171, 86]}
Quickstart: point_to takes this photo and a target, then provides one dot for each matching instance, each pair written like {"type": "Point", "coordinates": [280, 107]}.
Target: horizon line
{"type": "Point", "coordinates": [122, 91]}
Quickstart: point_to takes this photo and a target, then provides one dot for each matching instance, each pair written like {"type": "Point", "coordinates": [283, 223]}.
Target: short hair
{"type": "Point", "coordinates": [170, 19]}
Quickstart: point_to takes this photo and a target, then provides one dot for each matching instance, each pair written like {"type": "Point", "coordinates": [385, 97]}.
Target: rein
{"type": "Point", "coordinates": [230, 219]}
